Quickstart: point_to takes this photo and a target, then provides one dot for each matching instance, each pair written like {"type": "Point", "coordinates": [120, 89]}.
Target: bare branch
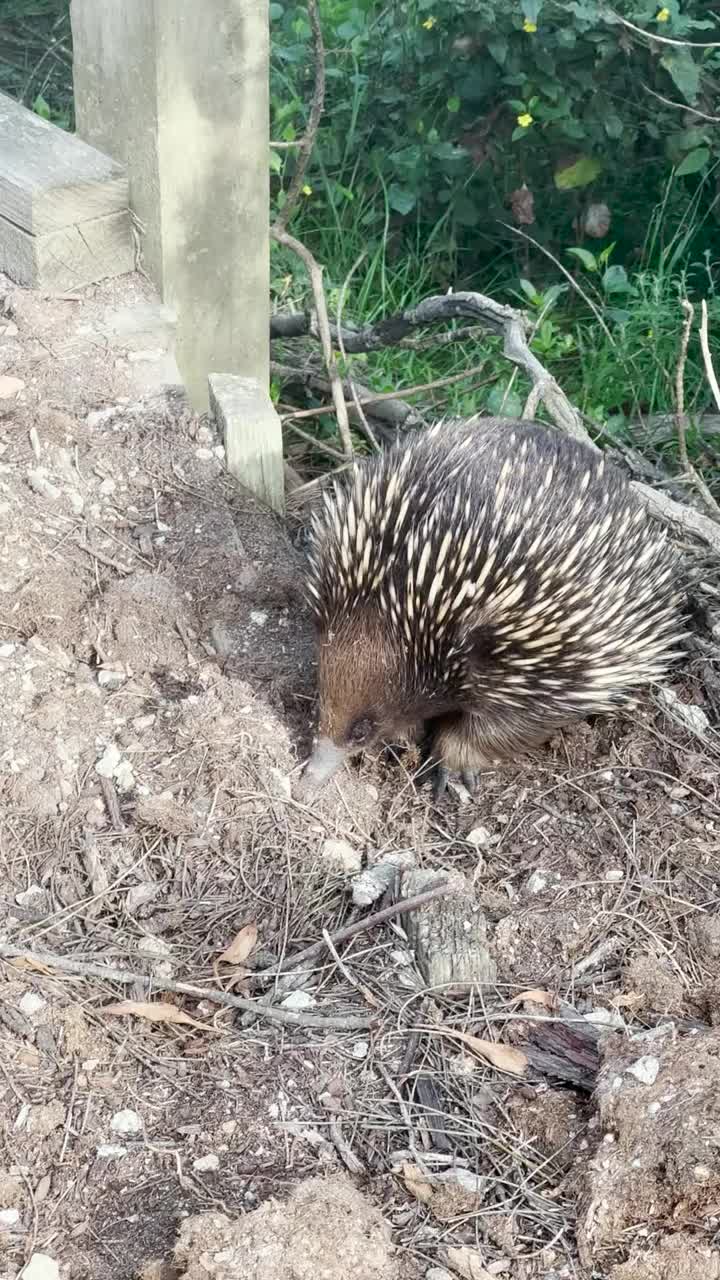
{"type": "Point", "coordinates": [315, 272]}
{"type": "Point", "coordinates": [316, 109]}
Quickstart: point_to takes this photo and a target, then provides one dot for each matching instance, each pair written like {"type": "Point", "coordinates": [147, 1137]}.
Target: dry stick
{"type": "Point", "coordinates": [316, 108]}
{"type": "Point", "coordinates": [681, 417]}
{"type": "Point", "coordinates": [315, 272]}
{"type": "Point", "coordinates": [351, 930]}
{"type": "Point", "coordinates": [707, 358]}
{"type": "Point", "coordinates": [680, 414]}
{"type": "Point", "coordinates": [398, 395]}
{"type": "Point", "coordinates": [106, 973]}
{"type": "Point", "coordinates": [370, 434]}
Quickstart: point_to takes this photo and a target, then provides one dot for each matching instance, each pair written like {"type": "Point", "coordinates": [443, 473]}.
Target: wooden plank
{"type": "Point", "coordinates": [50, 179]}
{"type": "Point", "coordinates": [252, 433]}
{"type": "Point", "coordinates": [61, 261]}
{"type": "Point", "coordinates": [178, 91]}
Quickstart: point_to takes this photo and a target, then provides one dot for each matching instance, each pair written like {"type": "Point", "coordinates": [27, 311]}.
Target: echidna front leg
{"type": "Point", "coordinates": [457, 747]}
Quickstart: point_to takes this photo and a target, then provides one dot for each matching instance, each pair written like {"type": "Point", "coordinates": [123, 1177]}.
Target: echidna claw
{"type": "Point", "coordinates": [440, 781]}
{"type": "Point", "coordinates": [469, 780]}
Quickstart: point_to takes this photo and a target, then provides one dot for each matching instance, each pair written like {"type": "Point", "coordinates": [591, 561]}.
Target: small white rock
{"type": "Point", "coordinates": [124, 776]}
{"type": "Point", "coordinates": [99, 417]}
{"type": "Point", "coordinates": [7, 650]}
{"type": "Point", "coordinates": [478, 836]}
{"type": "Point", "coordinates": [38, 480]}
{"type": "Point", "coordinates": [41, 1267]}
{"type": "Point", "coordinates": [9, 330]}
{"type": "Point", "coordinates": [110, 679]}
{"type": "Point", "coordinates": [614, 875]}
{"type": "Point", "coordinates": [126, 1122]}
{"type": "Point", "coordinates": [341, 856]}
{"type": "Point", "coordinates": [360, 1049]}
{"type": "Point", "coordinates": [111, 1151]}
{"type": "Point", "coordinates": [537, 882]}
{"type": "Point", "coordinates": [31, 1004]}
{"type": "Point", "coordinates": [109, 761]}
{"type": "Point", "coordinates": [299, 1000]}
{"type": "Point", "coordinates": [107, 487]}
{"type": "Point", "coordinates": [645, 1069]}
{"type": "Point", "coordinates": [205, 455]}
{"type": "Point", "coordinates": [25, 897]}
{"type": "Point", "coordinates": [9, 1218]}
{"type": "Point", "coordinates": [206, 1164]}
{"type": "Point", "coordinates": [258, 617]}
{"type": "Point", "coordinates": [10, 386]}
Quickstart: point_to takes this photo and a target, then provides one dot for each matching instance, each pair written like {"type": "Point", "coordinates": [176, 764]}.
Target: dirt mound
{"type": "Point", "coordinates": [325, 1230]}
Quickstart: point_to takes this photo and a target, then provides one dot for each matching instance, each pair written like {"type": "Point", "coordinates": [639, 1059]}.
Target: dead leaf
{"type": "Point", "coordinates": [536, 996]}
{"type": "Point", "coordinates": [468, 1264]}
{"type": "Point", "coordinates": [42, 1188]}
{"type": "Point", "coordinates": [501, 1056]}
{"type": "Point", "coordinates": [417, 1183]}
{"type": "Point", "coordinates": [241, 946]}
{"type": "Point", "coordinates": [154, 1011]}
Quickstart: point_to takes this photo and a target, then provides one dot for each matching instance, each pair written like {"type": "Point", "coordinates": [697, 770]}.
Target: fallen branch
{"type": "Point", "coordinates": [351, 931]}
{"type": "Point", "coordinates": [315, 273]}
{"type": "Point", "coordinates": [126, 977]}
{"type": "Point", "coordinates": [686, 465]}
{"type": "Point", "coordinates": [307, 142]}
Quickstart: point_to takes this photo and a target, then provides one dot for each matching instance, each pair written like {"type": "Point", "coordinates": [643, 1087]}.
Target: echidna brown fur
{"type": "Point", "coordinates": [491, 581]}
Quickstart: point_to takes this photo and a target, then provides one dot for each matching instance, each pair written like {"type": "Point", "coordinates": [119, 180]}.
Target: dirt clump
{"type": "Point", "coordinates": [324, 1230]}
{"type": "Point", "coordinates": [676, 1257]}
{"type": "Point", "coordinates": [658, 1105]}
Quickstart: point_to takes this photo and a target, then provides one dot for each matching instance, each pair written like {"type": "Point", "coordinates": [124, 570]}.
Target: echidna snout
{"type": "Point", "coordinates": [495, 580]}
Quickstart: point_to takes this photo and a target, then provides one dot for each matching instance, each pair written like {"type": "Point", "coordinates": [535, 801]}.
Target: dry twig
{"type": "Point", "coordinates": [307, 142]}
{"type": "Point", "coordinates": [127, 977]}
{"type": "Point", "coordinates": [315, 272]}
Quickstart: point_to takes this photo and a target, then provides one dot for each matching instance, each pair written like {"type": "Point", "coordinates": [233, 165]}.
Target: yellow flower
{"type": "Point", "coordinates": [525, 120]}
{"type": "Point", "coordinates": [429, 23]}
{"type": "Point", "coordinates": [529, 26]}
{"type": "Point", "coordinates": [663, 15]}
{"type": "Point", "coordinates": [307, 191]}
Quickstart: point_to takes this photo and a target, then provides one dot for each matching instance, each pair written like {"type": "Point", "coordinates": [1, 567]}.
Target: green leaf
{"type": "Point", "coordinates": [587, 258]}
{"type": "Point", "coordinates": [694, 161]}
{"type": "Point", "coordinates": [518, 105]}
{"type": "Point", "coordinates": [497, 47]}
{"type": "Point", "coordinates": [453, 105]}
{"type": "Point", "coordinates": [401, 199]}
{"type": "Point", "coordinates": [519, 132]}
{"type": "Point", "coordinates": [580, 174]}
{"type": "Point", "coordinates": [276, 163]}
{"type": "Point", "coordinates": [41, 107]}
{"type": "Point", "coordinates": [503, 403]}
{"type": "Point", "coordinates": [615, 280]}
{"type": "Point", "coordinates": [530, 292]}
{"type": "Point", "coordinates": [685, 72]}
{"type": "Point", "coordinates": [276, 12]}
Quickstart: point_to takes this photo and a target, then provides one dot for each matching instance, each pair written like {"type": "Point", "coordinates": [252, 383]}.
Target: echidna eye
{"type": "Point", "coordinates": [361, 730]}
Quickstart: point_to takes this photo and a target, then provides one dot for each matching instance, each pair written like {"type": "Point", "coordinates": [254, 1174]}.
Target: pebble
{"type": "Point", "coordinates": [9, 330]}
{"type": "Point", "coordinates": [645, 1069]}
{"type": "Point", "coordinates": [99, 417]}
{"type": "Point", "coordinates": [537, 882]}
{"type": "Point", "coordinates": [10, 386]}
{"type": "Point", "coordinates": [9, 1218]}
{"type": "Point", "coordinates": [341, 856]}
{"type": "Point", "coordinates": [299, 1000]}
{"type": "Point", "coordinates": [258, 617]}
{"type": "Point", "coordinates": [31, 1004]}
{"type": "Point", "coordinates": [107, 487]}
{"type": "Point", "coordinates": [7, 650]}
{"type": "Point", "coordinates": [37, 478]}
{"type": "Point", "coordinates": [126, 1122]}
{"type": "Point", "coordinates": [124, 776]}
{"type": "Point", "coordinates": [360, 1049]}
{"type": "Point", "coordinates": [41, 1267]}
{"type": "Point", "coordinates": [614, 875]}
{"type": "Point", "coordinates": [109, 761]}
{"type": "Point", "coordinates": [24, 898]}
{"type": "Point", "coordinates": [110, 679]}
{"type": "Point", "coordinates": [206, 1164]}
{"type": "Point", "coordinates": [205, 455]}
{"type": "Point", "coordinates": [478, 836]}
{"type": "Point", "coordinates": [111, 1151]}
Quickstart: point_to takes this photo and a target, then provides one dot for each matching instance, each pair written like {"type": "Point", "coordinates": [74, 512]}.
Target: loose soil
{"type": "Point", "coordinates": [156, 704]}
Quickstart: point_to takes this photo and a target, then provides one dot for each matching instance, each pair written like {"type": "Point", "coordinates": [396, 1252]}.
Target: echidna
{"type": "Point", "coordinates": [487, 581]}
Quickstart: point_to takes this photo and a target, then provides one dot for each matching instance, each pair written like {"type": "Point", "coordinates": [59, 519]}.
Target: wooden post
{"type": "Point", "coordinates": [177, 90]}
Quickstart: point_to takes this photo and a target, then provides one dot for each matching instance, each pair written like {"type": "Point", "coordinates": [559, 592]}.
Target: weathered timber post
{"type": "Point", "coordinates": [178, 91]}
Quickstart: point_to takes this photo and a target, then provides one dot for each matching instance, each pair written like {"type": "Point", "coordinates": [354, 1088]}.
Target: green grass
{"type": "Point", "coordinates": [619, 372]}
